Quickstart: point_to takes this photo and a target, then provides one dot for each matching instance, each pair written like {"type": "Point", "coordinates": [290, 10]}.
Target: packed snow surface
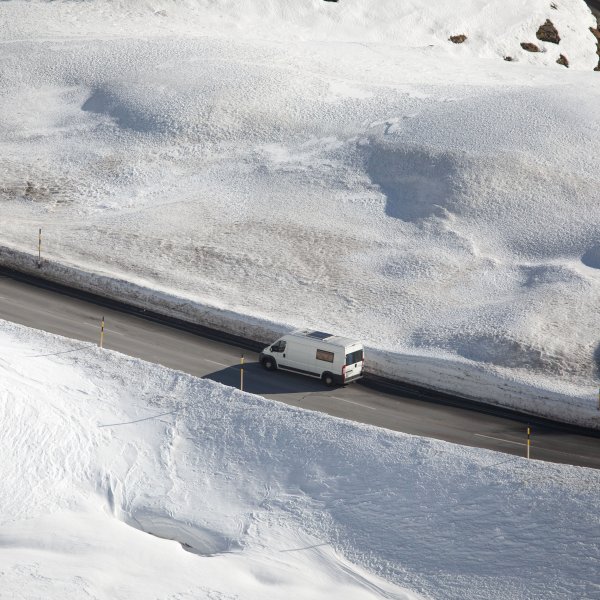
{"type": "Point", "coordinates": [342, 166]}
{"type": "Point", "coordinates": [125, 480]}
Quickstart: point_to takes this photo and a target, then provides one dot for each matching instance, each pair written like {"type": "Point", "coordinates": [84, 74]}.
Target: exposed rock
{"type": "Point", "coordinates": [529, 47]}
{"type": "Point", "coordinates": [509, 58]}
{"type": "Point", "coordinates": [563, 60]}
{"type": "Point", "coordinates": [596, 33]}
{"type": "Point", "coordinates": [553, 5]}
{"type": "Point", "coordinates": [548, 33]}
{"type": "Point", "coordinates": [594, 6]}
{"type": "Point", "coordinates": [458, 39]}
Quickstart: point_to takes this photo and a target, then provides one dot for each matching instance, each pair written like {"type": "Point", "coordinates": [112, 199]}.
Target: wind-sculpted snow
{"type": "Point", "coordinates": [592, 257]}
{"type": "Point", "coordinates": [333, 165]}
{"type": "Point", "coordinates": [126, 480]}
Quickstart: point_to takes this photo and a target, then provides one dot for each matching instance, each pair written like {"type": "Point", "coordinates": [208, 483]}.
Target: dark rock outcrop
{"type": "Point", "coordinates": [563, 60]}
{"type": "Point", "coordinates": [529, 47]}
{"type": "Point", "coordinates": [458, 39]}
{"type": "Point", "coordinates": [548, 33]}
{"type": "Point", "coordinates": [596, 33]}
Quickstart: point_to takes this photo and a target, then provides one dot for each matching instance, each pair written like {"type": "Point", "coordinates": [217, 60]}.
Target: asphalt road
{"type": "Point", "coordinates": [75, 318]}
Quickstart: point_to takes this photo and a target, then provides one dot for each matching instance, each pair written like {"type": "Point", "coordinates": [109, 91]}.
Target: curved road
{"type": "Point", "coordinates": [62, 314]}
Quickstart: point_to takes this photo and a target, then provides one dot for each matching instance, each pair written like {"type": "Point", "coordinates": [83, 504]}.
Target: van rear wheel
{"type": "Point", "coordinates": [328, 379]}
{"type": "Point", "coordinates": [269, 363]}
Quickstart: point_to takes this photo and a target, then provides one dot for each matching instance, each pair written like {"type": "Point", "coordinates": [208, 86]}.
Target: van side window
{"type": "Point", "coordinates": [354, 357]}
{"type": "Point", "coordinates": [278, 347]}
{"type": "Point", "coordinates": [324, 355]}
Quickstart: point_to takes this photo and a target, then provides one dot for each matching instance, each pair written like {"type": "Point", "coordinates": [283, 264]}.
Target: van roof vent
{"type": "Point", "coordinates": [319, 335]}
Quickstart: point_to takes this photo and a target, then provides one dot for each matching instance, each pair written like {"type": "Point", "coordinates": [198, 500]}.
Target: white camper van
{"type": "Point", "coordinates": [316, 354]}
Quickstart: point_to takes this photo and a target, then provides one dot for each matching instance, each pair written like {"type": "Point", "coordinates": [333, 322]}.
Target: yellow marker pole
{"type": "Point", "coordinates": [242, 373]}
{"type": "Point", "coordinates": [40, 248]}
{"type": "Point", "coordinates": [528, 441]}
{"type": "Point", "coordinates": [102, 333]}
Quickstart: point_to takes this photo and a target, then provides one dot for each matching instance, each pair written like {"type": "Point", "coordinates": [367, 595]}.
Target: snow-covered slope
{"type": "Point", "coordinates": [492, 29]}
{"type": "Point", "coordinates": [112, 468]}
{"type": "Point", "coordinates": [335, 165]}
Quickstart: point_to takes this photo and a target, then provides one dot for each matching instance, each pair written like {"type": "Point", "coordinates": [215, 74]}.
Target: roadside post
{"type": "Point", "coordinates": [102, 333]}
{"type": "Point", "coordinates": [39, 263]}
{"type": "Point", "coordinates": [598, 398]}
{"type": "Point", "coordinates": [528, 440]}
{"type": "Point", "coordinates": [242, 373]}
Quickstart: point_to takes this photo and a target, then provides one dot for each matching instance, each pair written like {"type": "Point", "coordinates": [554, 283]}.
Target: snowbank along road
{"type": "Point", "coordinates": [124, 480]}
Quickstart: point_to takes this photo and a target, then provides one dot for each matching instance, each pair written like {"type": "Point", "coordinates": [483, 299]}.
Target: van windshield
{"type": "Point", "coordinates": [354, 357]}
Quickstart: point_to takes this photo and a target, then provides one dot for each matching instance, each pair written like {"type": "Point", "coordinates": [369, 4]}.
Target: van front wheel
{"type": "Point", "coordinates": [328, 379]}
{"type": "Point", "coordinates": [269, 363]}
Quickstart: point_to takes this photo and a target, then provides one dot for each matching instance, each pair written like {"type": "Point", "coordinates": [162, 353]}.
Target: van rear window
{"type": "Point", "coordinates": [324, 355]}
{"type": "Point", "coordinates": [354, 357]}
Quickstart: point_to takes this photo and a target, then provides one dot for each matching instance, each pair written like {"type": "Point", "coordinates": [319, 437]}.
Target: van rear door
{"type": "Point", "coordinates": [354, 363]}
